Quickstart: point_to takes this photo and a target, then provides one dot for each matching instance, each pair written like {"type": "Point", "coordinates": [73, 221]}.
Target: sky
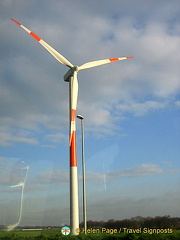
{"type": "Point", "coordinates": [131, 109]}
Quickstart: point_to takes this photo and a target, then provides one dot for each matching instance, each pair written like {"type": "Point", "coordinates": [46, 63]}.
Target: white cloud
{"type": "Point", "coordinates": [177, 103]}
{"type": "Point", "coordinates": [57, 137]}
{"type": "Point", "coordinates": [140, 171]}
{"type": "Point", "coordinates": [48, 146]}
{"type": "Point", "coordinates": [137, 171]}
{"type": "Point", "coordinates": [42, 180]}
{"type": "Point", "coordinates": [13, 138]}
{"type": "Point", "coordinates": [140, 109]}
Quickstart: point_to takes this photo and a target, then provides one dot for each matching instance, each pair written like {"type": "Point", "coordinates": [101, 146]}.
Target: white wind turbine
{"type": "Point", "coordinates": [71, 77]}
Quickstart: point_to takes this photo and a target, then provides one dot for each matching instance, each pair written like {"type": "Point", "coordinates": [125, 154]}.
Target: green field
{"type": "Point", "coordinates": [56, 235]}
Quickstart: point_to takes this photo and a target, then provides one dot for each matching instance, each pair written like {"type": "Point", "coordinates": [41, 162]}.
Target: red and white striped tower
{"type": "Point", "coordinates": [74, 205]}
{"type": "Point", "coordinates": [71, 77]}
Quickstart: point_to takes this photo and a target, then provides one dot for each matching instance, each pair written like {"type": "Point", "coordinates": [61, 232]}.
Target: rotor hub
{"type": "Point", "coordinates": [70, 73]}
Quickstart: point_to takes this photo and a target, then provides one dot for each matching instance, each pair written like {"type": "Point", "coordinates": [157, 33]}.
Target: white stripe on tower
{"type": "Point", "coordinates": [73, 154]}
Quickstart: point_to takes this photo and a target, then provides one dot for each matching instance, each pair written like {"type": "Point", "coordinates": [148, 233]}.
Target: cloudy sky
{"type": "Point", "coordinates": [131, 109]}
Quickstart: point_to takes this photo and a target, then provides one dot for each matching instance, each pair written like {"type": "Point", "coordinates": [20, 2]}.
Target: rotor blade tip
{"type": "Point", "coordinates": [15, 21]}
{"type": "Point", "coordinates": [129, 57]}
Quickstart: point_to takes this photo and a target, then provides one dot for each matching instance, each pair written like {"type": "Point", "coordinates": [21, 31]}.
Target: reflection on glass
{"type": "Point", "coordinates": [12, 188]}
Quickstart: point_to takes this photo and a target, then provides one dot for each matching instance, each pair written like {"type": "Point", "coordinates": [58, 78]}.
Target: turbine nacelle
{"type": "Point", "coordinates": [70, 73]}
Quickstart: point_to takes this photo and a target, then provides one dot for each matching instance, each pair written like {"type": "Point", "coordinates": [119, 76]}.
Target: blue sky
{"type": "Point", "coordinates": [131, 109]}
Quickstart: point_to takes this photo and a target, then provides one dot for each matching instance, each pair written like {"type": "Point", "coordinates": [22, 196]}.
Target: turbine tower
{"type": "Point", "coordinates": [71, 77]}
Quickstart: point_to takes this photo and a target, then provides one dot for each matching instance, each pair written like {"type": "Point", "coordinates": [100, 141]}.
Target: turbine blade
{"type": "Point", "coordinates": [73, 106]}
{"type": "Point", "coordinates": [18, 185]}
{"type": "Point", "coordinates": [101, 62]}
{"type": "Point", "coordinates": [57, 55]}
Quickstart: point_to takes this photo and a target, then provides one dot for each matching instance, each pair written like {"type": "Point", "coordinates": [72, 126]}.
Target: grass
{"type": "Point", "coordinates": [30, 234]}
{"type": "Point", "coordinates": [56, 235]}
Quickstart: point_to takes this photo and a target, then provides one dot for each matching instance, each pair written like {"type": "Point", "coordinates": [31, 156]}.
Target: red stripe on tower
{"type": "Point", "coordinates": [73, 153]}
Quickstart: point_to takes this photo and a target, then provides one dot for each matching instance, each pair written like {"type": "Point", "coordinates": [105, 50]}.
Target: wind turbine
{"type": "Point", "coordinates": [71, 77]}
